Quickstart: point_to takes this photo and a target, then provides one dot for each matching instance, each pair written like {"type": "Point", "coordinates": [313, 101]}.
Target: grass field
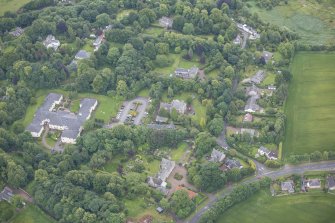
{"type": "Point", "coordinates": [6, 211]}
{"type": "Point", "coordinates": [107, 106]}
{"type": "Point", "coordinates": [318, 207]}
{"type": "Point", "coordinates": [32, 214]}
{"type": "Point", "coordinates": [11, 5]}
{"type": "Point", "coordinates": [138, 208]}
{"type": "Point", "coordinates": [178, 62]}
{"type": "Point", "coordinates": [310, 105]}
{"type": "Point", "coordinates": [177, 154]}
{"type": "Point", "coordinates": [313, 21]}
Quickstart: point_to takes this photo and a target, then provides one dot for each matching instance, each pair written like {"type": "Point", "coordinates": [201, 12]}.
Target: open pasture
{"type": "Point", "coordinates": [11, 5]}
{"type": "Point", "coordinates": [313, 20]}
{"type": "Point", "coordinates": [262, 207]}
{"type": "Point", "coordinates": [311, 104]}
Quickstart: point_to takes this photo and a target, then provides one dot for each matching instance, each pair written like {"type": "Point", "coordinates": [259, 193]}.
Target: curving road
{"type": "Point", "coordinates": [286, 170]}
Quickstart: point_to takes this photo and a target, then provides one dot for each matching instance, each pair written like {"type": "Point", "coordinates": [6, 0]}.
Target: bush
{"type": "Point", "coordinates": [177, 176]}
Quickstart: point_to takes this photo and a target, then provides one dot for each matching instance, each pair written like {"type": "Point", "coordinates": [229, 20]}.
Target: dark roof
{"type": "Point", "coordinates": [70, 121]}
{"type": "Point", "coordinates": [82, 54]}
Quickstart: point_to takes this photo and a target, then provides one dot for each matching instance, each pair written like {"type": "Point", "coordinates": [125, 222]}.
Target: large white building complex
{"type": "Point", "coordinates": [71, 124]}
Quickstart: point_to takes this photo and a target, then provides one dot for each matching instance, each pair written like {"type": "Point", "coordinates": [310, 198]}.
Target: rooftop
{"type": "Point", "coordinates": [166, 22]}
{"type": "Point", "coordinates": [287, 186]}
{"type": "Point", "coordinates": [258, 77]}
{"type": "Point", "coordinates": [217, 156]}
{"type": "Point", "coordinates": [267, 56]}
{"type": "Point", "coordinates": [166, 168]}
{"type": "Point", "coordinates": [70, 122]}
{"type": "Point", "coordinates": [51, 42]}
{"type": "Point", "coordinates": [248, 117]}
{"type": "Point", "coordinates": [82, 54]}
{"type": "Point", "coordinates": [191, 194]}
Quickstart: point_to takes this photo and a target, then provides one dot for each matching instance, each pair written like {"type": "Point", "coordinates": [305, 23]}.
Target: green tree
{"type": "Point", "coordinates": [122, 88]}
{"type": "Point", "coordinates": [181, 204]}
{"type": "Point", "coordinates": [188, 28]}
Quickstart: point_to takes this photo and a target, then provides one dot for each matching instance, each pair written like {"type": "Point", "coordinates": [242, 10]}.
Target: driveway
{"type": "Point", "coordinates": [175, 183]}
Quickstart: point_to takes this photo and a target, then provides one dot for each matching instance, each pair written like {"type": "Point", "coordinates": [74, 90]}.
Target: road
{"type": "Point", "coordinates": [286, 170]}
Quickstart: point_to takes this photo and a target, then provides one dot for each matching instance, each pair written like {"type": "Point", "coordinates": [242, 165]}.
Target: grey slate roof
{"type": "Point", "coordinates": [217, 156]}
{"type": "Point", "coordinates": [166, 168]}
{"type": "Point", "coordinates": [287, 186]}
{"type": "Point", "coordinates": [6, 194]}
{"type": "Point", "coordinates": [267, 56]}
{"type": "Point", "coordinates": [233, 163]}
{"type": "Point", "coordinates": [82, 54]}
{"type": "Point", "coordinates": [71, 122]}
{"type": "Point", "coordinates": [18, 31]}
{"type": "Point", "coordinates": [258, 77]}
{"type": "Point", "coordinates": [187, 73]}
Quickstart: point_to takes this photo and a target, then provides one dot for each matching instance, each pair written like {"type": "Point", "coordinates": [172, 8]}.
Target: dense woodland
{"type": "Point", "coordinates": [68, 186]}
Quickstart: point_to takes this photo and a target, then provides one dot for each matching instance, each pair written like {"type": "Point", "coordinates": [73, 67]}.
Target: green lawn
{"type": "Point", "coordinates": [11, 5]}
{"type": "Point", "coordinates": [139, 207]}
{"type": "Point", "coordinates": [6, 211]}
{"type": "Point", "coordinates": [310, 105]}
{"type": "Point", "coordinates": [313, 20]}
{"type": "Point", "coordinates": [124, 13]}
{"type": "Point", "coordinates": [107, 106]}
{"type": "Point", "coordinates": [269, 79]}
{"type": "Point", "coordinates": [32, 214]}
{"type": "Point", "coordinates": [316, 207]}
{"type": "Point", "coordinates": [178, 62]}
{"type": "Point", "coordinates": [155, 31]}
{"type": "Point", "coordinates": [75, 106]}
{"type": "Point", "coordinates": [177, 154]}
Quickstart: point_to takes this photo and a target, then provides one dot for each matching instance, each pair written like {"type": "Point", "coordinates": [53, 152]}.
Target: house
{"type": "Point", "coordinates": [6, 194]}
{"type": "Point", "coordinates": [217, 156]}
{"type": "Point", "coordinates": [287, 186]}
{"type": "Point", "coordinates": [166, 22]}
{"type": "Point", "coordinates": [159, 210]}
{"type": "Point", "coordinates": [18, 31]}
{"type": "Point", "coordinates": [272, 87]}
{"type": "Point", "coordinates": [187, 73]}
{"type": "Point", "coordinates": [166, 168]}
{"type": "Point", "coordinates": [191, 194]}
{"type": "Point", "coordinates": [258, 77]}
{"type": "Point", "coordinates": [251, 105]}
{"type": "Point", "coordinates": [161, 119]}
{"type": "Point", "coordinates": [97, 42]}
{"type": "Point", "coordinates": [51, 42]}
{"type": "Point", "coordinates": [267, 56]}
{"type": "Point", "coordinates": [249, 30]}
{"type": "Point", "coordinates": [248, 117]}
{"type": "Point", "coordinates": [70, 124]}
{"type": "Point", "coordinates": [233, 163]}
{"type": "Point", "coordinates": [82, 54]}
{"type": "Point", "coordinates": [330, 183]}
{"type": "Point", "coordinates": [180, 106]}
{"type": "Point", "coordinates": [238, 40]}
{"type": "Point", "coordinates": [263, 151]}
{"type": "Point", "coordinates": [312, 183]}
{"type": "Point", "coordinates": [159, 181]}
